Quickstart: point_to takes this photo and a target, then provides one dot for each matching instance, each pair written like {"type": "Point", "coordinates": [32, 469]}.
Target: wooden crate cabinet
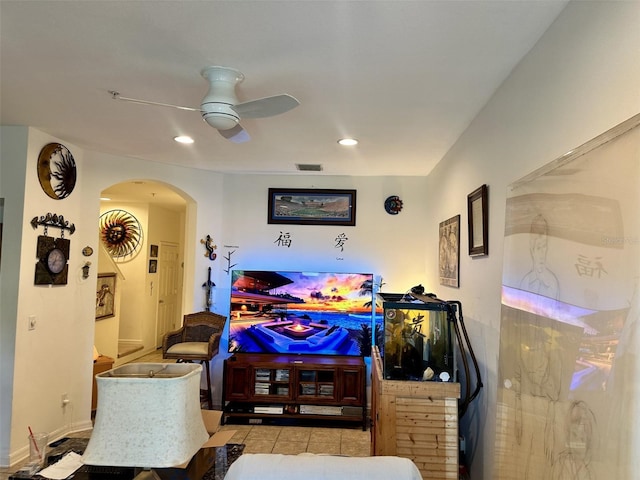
{"type": "Point", "coordinates": [295, 382]}
{"type": "Point", "coordinates": [415, 420]}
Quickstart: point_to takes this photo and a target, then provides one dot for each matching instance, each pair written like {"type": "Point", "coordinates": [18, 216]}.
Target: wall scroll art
{"type": "Point", "coordinates": [302, 206]}
{"type": "Point", "coordinates": [449, 252]}
{"type": "Point", "coordinates": [567, 395]}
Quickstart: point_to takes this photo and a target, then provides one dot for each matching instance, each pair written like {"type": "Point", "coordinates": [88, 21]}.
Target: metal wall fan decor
{"type": "Point", "coordinates": [121, 234]}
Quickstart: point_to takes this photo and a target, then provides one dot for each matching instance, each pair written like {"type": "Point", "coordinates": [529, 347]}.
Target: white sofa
{"type": "Point", "coordinates": [308, 466]}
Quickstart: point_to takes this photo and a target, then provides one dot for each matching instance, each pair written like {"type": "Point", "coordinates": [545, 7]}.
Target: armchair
{"type": "Point", "coordinates": [197, 340]}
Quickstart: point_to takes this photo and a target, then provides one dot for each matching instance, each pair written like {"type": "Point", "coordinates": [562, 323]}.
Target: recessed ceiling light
{"type": "Point", "coordinates": [183, 139]}
{"type": "Point", "coordinates": [348, 142]}
{"type": "Point", "coordinates": [105, 199]}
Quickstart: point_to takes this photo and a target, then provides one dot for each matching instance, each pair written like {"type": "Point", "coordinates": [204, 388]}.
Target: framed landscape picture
{"type": "Point", "coordinates": [303, 206]}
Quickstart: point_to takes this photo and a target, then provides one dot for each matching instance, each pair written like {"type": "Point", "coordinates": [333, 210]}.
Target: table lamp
{"type": "Point", "coordinates": [148, 416]}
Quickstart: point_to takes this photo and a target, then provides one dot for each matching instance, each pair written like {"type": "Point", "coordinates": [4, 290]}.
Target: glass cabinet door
{"type": "Point", "coordinates": [272, 382]}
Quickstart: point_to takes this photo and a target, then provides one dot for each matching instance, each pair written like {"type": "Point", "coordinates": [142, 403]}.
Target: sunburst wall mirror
{"type": "Point", "coordinates": [121, 234]}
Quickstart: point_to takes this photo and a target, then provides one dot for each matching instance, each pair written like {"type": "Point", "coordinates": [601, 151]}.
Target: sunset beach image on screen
{"type": "Point", "coordinates": [301, 312]}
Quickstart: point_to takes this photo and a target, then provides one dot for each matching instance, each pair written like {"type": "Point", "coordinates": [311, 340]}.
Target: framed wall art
{"type": "Point", "coordinates": [449, 252]}
{"type": "Point", "coordinates": [105, 295]}
{"type": "Point", "coordinates": [302, 206]}
{"type": "Point", "coordinates": [478, 218]}
{"type": "Point", "coordinates": [153, 251]}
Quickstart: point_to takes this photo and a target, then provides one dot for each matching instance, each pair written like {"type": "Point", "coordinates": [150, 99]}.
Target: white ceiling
{"type": "Point", "coordinates": [404, 77]}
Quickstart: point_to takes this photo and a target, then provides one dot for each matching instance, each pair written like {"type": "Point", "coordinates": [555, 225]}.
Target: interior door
{"type": "Point", "coordinates": [169, 287]}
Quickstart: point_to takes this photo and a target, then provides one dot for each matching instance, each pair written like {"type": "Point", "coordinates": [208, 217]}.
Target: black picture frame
{"type": "Point", "coordinates": [478, 221]}
{"type": "Point", "coordinates": [449, 252]}
{"type": "Point", "coordinates": [311, 206]}
{"type": "Point", "coordinates": [105, 295]}
{"type": "Point", "coordinates": [153, 251]}
{"type": "Point", "coordinates": [153, 266]}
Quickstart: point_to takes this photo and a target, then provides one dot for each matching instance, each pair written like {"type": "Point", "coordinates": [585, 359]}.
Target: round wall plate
{"type": "Point", "coordinates": [393, 205]}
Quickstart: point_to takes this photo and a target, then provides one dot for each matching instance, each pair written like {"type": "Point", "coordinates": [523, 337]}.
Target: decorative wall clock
{"type": "Point", "coordinates": [56, 171]}
{"type": "Point", "coordinates": [52, 267]}
{"type": "Point", "coordinates": [121, 234]}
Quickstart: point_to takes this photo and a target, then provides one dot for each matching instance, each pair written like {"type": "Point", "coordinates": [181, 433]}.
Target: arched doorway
{"type": "Point", "coordinates": [148, 273]}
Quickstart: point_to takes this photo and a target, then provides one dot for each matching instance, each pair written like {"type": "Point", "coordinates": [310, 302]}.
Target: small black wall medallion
{"type": "Point", "coordinates": [393, 205]}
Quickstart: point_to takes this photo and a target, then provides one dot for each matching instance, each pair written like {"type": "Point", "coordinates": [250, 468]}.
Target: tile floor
{"type": "Point", "coordinates": [293, 440]}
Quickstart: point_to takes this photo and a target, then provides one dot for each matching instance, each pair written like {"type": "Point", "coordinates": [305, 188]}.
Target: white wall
{"type": "Point", "coordinates": [13, 146]}
{"type": "Point", "coordinates": [582, 78]}
{"type": "Point", "coordinates": [203, 191]}
{"type": "Point", "coordinates": [137, 289]}
{"type": "Point", "coordinates": [388, 245]}
{"type": "Point", "coordinates": [107, 329]}
{"type": "Point", "coordinates": [54, 358]}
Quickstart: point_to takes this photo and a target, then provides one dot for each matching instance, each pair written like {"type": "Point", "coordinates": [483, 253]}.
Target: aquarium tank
{"type": "Point", "coordinates": [418, 337]}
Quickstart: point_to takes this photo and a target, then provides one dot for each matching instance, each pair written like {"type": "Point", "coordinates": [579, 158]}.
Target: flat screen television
{"type": "Point", "coordinates": [301, 312]}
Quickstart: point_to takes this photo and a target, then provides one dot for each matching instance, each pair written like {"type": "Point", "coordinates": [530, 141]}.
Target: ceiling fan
{"type": "Point", "coordinates": [220, 107]}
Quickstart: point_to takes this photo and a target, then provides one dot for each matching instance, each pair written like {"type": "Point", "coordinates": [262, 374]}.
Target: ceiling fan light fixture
{"type": "Point", "coordinates": [220, 108]}
{"type": "Point", "coordinates": [219, 115]}
{"type": "Point", "coordinates": [348, 142]}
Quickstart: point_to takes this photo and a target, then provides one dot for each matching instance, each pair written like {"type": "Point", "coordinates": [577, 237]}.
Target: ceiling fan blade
{"type": "Point", "coordinates": [236, 134]}
{"type": "Point", "coordinates": [266, 107]}
{"type": "Point", "coordinates": [116, 96]}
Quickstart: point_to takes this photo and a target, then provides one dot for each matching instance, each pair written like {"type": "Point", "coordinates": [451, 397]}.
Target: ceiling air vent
{"type": "Point", "coordinates": [309, 167]}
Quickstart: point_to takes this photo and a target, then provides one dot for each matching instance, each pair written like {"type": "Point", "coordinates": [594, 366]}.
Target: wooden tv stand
{"type": "Point", "coordinates": [266, 387]}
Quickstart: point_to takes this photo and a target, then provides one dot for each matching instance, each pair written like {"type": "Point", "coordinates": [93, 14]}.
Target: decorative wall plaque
{"type": "Point", "coordinates": [56, 171]}
{"type": "Point", "coordinates": [121, 234]}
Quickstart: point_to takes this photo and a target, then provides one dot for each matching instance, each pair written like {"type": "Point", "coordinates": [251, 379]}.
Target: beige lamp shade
{"type": "Point", "coordinates": [148, 416]}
